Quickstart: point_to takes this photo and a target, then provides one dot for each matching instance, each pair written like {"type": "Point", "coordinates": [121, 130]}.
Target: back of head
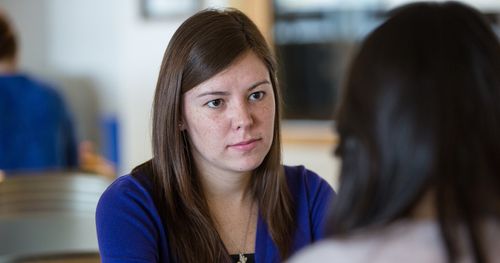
{"type": "Point", "coordinates": [8, 42]}
{"type": "Point", "coordinates": [420, 114]}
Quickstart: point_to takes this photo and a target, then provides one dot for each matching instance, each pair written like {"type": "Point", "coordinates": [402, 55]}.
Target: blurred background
{"type": "Point", "coordinates": [104, 56]}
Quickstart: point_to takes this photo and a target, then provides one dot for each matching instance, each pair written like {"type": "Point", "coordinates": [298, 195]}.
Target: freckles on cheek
{"type": "Point", "coordinates": [204, 127]}
{"type": "Point", "coordinates": [195, 117]}
{"type": "Point", "coordinates": [268, 112]}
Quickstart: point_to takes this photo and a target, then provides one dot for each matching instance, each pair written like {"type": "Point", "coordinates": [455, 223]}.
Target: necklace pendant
{"type": "Point", "coordinates": [243, 259]}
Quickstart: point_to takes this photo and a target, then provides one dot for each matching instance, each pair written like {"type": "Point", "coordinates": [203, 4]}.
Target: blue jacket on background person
{"type": "Point", "coordinates": [36, 128]}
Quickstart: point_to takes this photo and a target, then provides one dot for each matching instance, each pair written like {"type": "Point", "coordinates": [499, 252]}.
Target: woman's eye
{"type": "Point", "coordinates": [257, 95]}
{"type": "Point", "coordinates": [214, 103]}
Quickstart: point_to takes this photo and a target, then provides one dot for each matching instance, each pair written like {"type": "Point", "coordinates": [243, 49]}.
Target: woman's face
{"type": "Point", "coordinates": [229, 118]}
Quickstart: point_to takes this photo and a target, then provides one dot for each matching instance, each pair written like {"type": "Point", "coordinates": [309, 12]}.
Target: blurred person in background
{"type": "Point", "coordinates": [419, 127]}
{"type": "Point", "coordinates": [215, 189]}
{"type": "Point", "coordinates": [36, 127]}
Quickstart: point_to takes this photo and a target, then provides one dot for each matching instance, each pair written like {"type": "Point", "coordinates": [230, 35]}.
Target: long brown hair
{"type": "Point", "coordinates": [420, 114]}
{"type": "Point", "coordinates": [204, 45]}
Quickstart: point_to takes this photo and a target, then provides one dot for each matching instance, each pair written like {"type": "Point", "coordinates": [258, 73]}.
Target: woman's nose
{"type": "Point", "coordinates": [242, 117]}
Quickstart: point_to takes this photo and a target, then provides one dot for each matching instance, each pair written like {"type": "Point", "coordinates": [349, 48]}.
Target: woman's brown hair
{"type": "Point", "coordinates": [8, 41]}
{"type": "Point", "coordinates": [420, 116]}
{"type": "Point", "coordinates": [204, 45]}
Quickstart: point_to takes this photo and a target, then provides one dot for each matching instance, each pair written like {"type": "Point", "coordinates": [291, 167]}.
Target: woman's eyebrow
{"type": "Point", "coordinates": [213, 93]}
{"type": "Point", "coordinates": [258, 84]}
{"type": "Point", "coordinates": [225, 93]}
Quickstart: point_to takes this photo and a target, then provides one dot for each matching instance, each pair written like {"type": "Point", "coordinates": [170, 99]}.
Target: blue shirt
{"type": "Point", "coordinates": [36, 132]}
{"type": "Point", "coordinates": [129, 228]}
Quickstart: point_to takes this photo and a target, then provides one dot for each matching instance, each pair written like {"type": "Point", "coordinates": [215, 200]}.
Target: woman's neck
{"type": "Point", "coordinates": [8, 67]}
{"type": "Point", "coordinates": [233, 208]}
{"type": "Point", "coordinates": [226, 186]}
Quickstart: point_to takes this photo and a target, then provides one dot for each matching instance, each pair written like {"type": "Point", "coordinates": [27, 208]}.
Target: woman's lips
{"type": "Point", "coordinates": [245, 145]}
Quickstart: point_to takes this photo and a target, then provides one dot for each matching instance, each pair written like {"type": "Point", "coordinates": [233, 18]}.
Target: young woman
{"type": "Point", "coordinates": [419, 123]}
{"type": "Point", "coordinates": [215, 189]}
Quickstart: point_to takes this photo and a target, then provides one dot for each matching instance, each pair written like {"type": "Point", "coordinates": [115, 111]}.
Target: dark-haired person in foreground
{"type": "Point", "coordinates": [215, 189]}
{"type": "Point", "coordinates": [419, 126]}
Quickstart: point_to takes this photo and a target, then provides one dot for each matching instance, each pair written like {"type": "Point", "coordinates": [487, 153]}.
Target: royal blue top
{"type": "Point", "coordinates": [129, 228]}
{"type": "Point", "coordinates": [36, 131]}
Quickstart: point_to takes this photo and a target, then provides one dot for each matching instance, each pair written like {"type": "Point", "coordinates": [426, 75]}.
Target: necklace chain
{"type": "Point", "coordinates": [241, 255]}
{"type": "Point", "coordinates": [242, 258]}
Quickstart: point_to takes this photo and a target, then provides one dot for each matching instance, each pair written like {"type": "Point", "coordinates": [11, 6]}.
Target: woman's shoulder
{"type": "Point", "coordinates": [391, 244]}
{"type": "Point", "coordinates": [128, 223]}
{"type": "Point", "coordinates": [125, 183]}
{"type": "Point", "coordinates": [300, 179]}
{"type": "Point", "coordinates": [330, 250]}
{"type": "Point", "coordinates": [126, 190]}
{"type": "Point", "coordinates": [301, 173]}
